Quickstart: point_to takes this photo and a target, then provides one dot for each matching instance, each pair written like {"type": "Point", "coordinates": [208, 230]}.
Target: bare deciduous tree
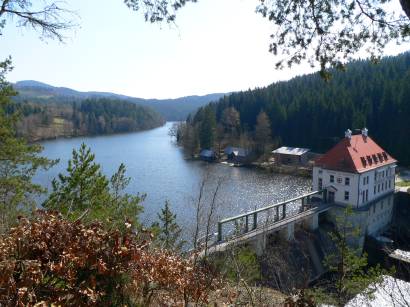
{"type": "Point", "coordinates": [50, 19]}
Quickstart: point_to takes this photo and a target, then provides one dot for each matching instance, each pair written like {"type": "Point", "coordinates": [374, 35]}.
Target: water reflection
{"type": "Point", "coordinates": [157, 167]}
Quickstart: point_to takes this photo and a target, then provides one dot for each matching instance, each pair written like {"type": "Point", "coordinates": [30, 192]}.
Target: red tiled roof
{"type": "Point", "coordinates": [357, 155]}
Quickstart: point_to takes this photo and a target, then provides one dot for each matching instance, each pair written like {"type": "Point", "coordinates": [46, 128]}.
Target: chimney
{"type": "Point", "coordinates": [348, 134]}
{"type": "Point", "coordinates": [365, 132]}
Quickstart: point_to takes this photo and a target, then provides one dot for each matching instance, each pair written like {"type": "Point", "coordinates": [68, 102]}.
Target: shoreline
{"type": "Point", "coordinates": [63, 137]}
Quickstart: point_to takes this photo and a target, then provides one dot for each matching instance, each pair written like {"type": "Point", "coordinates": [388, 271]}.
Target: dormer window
{"type": "Point", "coordinates": [375, 158]}
{"type": "Point", "coordinates": [369, 160]}
{"type": "Point", "coordinates": [384, 155]}
{"type": "Point", "coordinates": [363, 161]}
{"type": "Point", "coordinates": [380, 156]}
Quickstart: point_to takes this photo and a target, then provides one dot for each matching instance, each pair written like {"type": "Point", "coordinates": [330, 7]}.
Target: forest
{"type": "Point", "coordinates": [176, 109]}
{"type": "Point", "coordinates": [309, 111]}
{"type": "Point", "coordinates": [85, 244]}
{"type": "Point", "coordinates": [76, 118]}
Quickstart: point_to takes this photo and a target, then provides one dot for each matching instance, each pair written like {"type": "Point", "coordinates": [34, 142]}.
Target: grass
{"type": "Point", "coordinates": [58, 121]}
{"type": "Point", "coordinates": [404, 183]}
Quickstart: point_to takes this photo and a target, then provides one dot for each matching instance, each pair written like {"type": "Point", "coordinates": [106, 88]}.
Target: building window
{"type": "Point", "coordinates": [332, 178]}
{"type": "Point", "coordinates": [363, 195]}
{"type": "Point", "coordinates": [364, 180]}
{"type": "Point", "coordinates": [367, 195]}
{"type": "Point", "coordinates": [378, 188]}
{"type": "Point", "coordinates": [320, 184]}
{"type": "Point", "coordinates": [389, 184]}
{"type": "Point", "coordinates": [374, 190]}
{"type": "Point", "coordinates": [346, 195]}
{"type": "Point", "coordinates": [320, 171]}
{"type": "Point", "coordinates": [367, 179]}
{"type": "Point", "coordinates": [339, 180]}
{"type": "Point", "coordinates": [347, 181]}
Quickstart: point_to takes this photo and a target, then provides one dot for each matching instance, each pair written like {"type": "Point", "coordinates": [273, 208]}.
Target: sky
{"type": "Point", "coordinates": [217, 46]}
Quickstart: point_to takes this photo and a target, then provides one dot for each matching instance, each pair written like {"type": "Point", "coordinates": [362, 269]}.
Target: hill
{"type": "Point", "coordinates": [89, 117]}
{"type": "Point", "coordinates": [308, 111]}
{"type": "Point", "coordinates": [171, 109]}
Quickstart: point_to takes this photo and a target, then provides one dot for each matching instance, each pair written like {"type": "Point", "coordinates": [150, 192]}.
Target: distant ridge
{"type": "Point", "coordinates": [170, 109]}
{"type": "Point", "coordinates": [32, 83]}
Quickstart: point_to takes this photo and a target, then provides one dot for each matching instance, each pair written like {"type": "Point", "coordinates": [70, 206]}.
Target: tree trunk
{"type": "Point", "coordinates": [405, 4]}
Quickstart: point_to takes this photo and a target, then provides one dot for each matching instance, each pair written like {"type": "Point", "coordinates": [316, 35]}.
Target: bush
{"type": "Point", "coordinates": [56, 261]}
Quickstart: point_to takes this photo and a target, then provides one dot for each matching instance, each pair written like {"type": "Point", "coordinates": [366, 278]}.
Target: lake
{"type": "Point", "coordinates": [158, 168]}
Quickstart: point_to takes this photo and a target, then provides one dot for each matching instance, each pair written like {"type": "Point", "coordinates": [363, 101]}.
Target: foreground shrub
{"type": "Point", "coordinates": [49, 259]}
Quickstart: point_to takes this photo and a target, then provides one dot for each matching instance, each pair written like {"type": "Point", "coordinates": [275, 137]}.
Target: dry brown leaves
{"type": "Point", "coordinates": [51, 260]}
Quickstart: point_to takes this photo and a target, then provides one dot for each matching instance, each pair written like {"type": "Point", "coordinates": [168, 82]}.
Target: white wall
{"type": "Point", "coordinates": [383, 182]}
{"type": "Point", "coordinates": [380, 215]}
{"type": "Point", "coordinates": [372, 221]}
{"type": "Point", "coordinates": [339, 184]}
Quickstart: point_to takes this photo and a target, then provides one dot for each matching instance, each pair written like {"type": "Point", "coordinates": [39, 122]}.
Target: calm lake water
{"type": "Point", "coordinates": [158, 168]}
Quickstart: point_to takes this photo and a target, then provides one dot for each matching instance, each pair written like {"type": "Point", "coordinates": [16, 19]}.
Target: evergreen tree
{"type": "Point", "coordinates": [75, 118]}
{"type": "Point", "coordinates": [309, 112]}
{"type": "Point", "coordinates": [123, 206]}
{"type": "Point", "coordinates": [207, 129]}
{"type": "Point", "coordinates": [167, 230]}
{"type": "Point", "coordinates": [84, 187]}
{"type": "Point", "coordinates": [18, 161]}
{"type": "Point", "coordinates": [347, 265]}
{"type": "Point", "coordinates": [85, 190]}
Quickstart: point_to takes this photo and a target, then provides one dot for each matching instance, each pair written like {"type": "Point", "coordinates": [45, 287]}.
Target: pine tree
{"type": "Point", "coordinates": [84, 187]}
{"type": "Point", "coordinates": [347, 265]}
{"type": "Point", "coordinates": [123, 206]}
{"type": "Point", "coordinates": [167, 229]}
{"type": "Point", "coordinates": [207, 129]}
{"type": "Point", "coordinates": [18, 161]}
{"type": "Point", "coordinates": [85, 190]}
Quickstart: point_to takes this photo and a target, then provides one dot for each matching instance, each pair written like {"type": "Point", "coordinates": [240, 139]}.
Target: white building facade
{"type": "Point", "coordinates": [359, 173]}
{"type": "Point", "coordinates": [355, 189]}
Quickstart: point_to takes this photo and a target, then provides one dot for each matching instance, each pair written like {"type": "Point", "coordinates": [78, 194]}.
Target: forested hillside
{"type": "Point", "coordinates": [89, 117]}
{"type": "Point", "coordinates": [171, 109]}
{"type": "Point", "coordinates": [308, 111]}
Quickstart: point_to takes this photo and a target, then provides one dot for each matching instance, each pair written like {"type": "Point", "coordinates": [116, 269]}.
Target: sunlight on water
{"type": "Point", "coordinates": [157, 167]}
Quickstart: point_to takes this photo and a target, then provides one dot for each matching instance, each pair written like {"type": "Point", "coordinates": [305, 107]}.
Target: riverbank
{"type": "Point", "coordinates": [157, 167]}
{"type": "Point", "coordinates": [43, 121]}
{"type": "Point", "coordinates": [293, 170]}
{"type": "Point", "coordinates": [403, 180]}
{"type": "Point", "coordinates": [64, 130]}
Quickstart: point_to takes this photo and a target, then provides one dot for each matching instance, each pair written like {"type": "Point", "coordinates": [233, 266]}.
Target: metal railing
{"type": "Point", "coordinates": [280, 213]}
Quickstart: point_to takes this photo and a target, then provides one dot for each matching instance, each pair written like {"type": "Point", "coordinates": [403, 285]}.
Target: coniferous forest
{"type": "Point", "coordinates": [308, 111]}
{"type": "Point", "coordinates": [84, 242]}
